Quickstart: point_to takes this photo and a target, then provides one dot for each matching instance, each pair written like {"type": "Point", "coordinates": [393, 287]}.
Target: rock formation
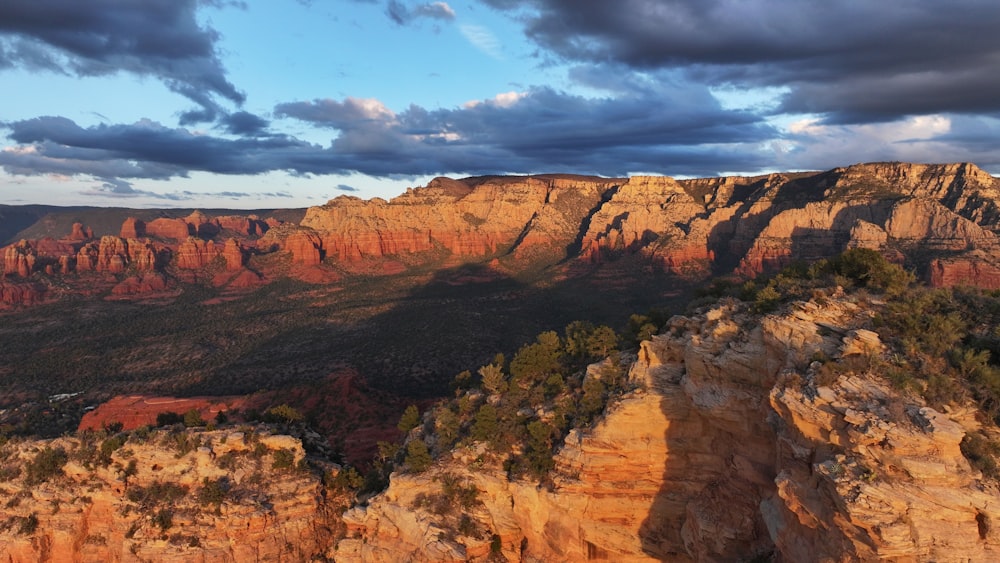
{"type": "Point", "coordinates": [473, 217]}
{"type": "Point", "coordinates": [133, 228]}
{"type": "Point", "coordinates": [140, 284]}
{"type": "Point", "coordinates": [114, 255]}
{"type": "Point", "coordinates": [938, 220]}
{"type": "Point", "coordinates": [20, 259]}
{"type": "Point", "coordinates": [171, 229]}
{"type": "Point", "coordinates": [21, 293]}
{"type": "Point", "coordinates": [730, 447]}
{"type": "Point", "coordinates": [147, 500]}
{"type": "Point", "coordinates": [690, 227]}
{"type": "Point", "coordinates": [80, 232]}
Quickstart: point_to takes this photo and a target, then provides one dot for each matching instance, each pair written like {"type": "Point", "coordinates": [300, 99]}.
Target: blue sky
{"type": "Point", "coordinates": [288, 103]}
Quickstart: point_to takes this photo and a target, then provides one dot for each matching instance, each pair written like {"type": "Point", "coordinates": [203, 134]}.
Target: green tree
{"type": "Point", "coordinates": [601, 342]}
{"type": "Point", "coordinates": [447, 428]}
{"type": "Point", "coordinates": [485, 426]}
{"type": "Point", "coordinates": [534, 362]}
{"type": "Point", "coordinates": [493, 379]}
{"type": "Point", "coordinates": [193, 418]}
{"type": "Point", "coordinates": [283, 413]}
{"type": "Point", "coordinates": [418, 457]}
{"type": "Point", "coordinates": [539, 450]}
{"type": "Point", "coordinates": [410, 419]}
{"type": "Point", "coordinates": [592, 401]}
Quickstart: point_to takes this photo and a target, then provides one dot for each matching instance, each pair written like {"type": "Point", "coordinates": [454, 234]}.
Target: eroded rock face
{"type": "Point", "coordinates": [472, 217]}
{"type": "Point", "coordinates": [695, 228]}
{"type": "Point", "coordinates": [114, 255]}
{"type": "Point", "coordinates": [172, 229]}
{"type": "Point", "coordinates": [21, 293]}
{"type": "Point", "coordinates": [93, 512]}
{"type": "Point", "coordinates": [195, 253]}
{"type": "Point", "coordinates": [133, 228]}
{"type": "Point", "coordinates": [79, 232]}
{"type": "Point", "coordinates": [727, 449]}
{"type": "Point", "coordinates": [304, 246]}
{"type": "Point", "coordinates": [20, 259]}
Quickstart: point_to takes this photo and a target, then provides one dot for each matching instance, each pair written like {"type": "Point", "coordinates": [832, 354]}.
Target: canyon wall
{"type": "Point", "coordinates": [730, 446]}
{"type": "Point", "coordinates": [147, 500]}
{"type": "Point", "coordinates": [939, 220]}
{"type": "Point", "coordinates": [696, 228]}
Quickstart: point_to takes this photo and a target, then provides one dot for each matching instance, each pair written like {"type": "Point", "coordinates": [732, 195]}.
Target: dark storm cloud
{"type": "Point", "coordinates": [160, 38]}
{"type": "Point", "coordinates": [853, 61]}
{"type": "Point", "coordinates": [541, 130]}
{"type": "Point", "coordinates": [245, 124]}
{"type": "Point", "coordinates": [679, 130]}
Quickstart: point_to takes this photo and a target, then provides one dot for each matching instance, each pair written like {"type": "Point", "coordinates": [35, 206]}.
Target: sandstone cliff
{"type": "Point", "coordinates": [476, 217]}
{"type": "Point", "coordinates": [938, 220]}
{"type": "Point", "coordinates": [161, 496]}
{"type": "Point", "coordinates": [735, 443]}
{"type": "Point", "coordinates": [695, 228]}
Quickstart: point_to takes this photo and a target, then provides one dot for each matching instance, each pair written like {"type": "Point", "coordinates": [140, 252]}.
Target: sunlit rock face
{"type": "Point", "coordinates": [693, 228]}
{"type": "Point", "coordinates": [728, 448]}
{"type": "Point", "coordinates": [148, 502]}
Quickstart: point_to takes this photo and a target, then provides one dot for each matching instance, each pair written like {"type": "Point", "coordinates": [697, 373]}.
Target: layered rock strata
{"type": "Point", "coordinates": [148, 502]}
{"type": "Point", "coordinates": [730, 447]}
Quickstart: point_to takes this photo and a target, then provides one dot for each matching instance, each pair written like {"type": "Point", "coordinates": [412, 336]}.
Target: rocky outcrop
{"type": "Point", "coordinates": [20, 259]}
{"type": "Point", "coordinates": [473, 217]}
{"type": "Point", "coordinates": [170, 229]}
{"type": "Point", "coordinates": [250, 226]}
{"type": "Point", "coordinates": [114, 255]}
{"type": "Point", "coordinates": [195, 253]}
{"type": "Point", "coordinates": [147, 501]}
{"type": "Point", "coordinates": [140, 284]}
{"type": "Point", "coordinates": [80, 233]}
{"type": "Point", "coordinates": [304, 246]}
{"type": "Point", "coordinates": [695, 228]}
{"type": "Point", "coordinates": [13, 294]}
{"type": "Point", "coordinates": [977, 269]}
{"type": "Point", "coordinates": [732, 446]}
{"type": "Point", "coordinates": [133, 228]}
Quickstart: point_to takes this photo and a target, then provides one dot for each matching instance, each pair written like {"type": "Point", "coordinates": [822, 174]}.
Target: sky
{"type": "Point", "coordinates": [258, 104]}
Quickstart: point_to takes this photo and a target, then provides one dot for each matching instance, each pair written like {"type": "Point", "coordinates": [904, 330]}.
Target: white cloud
{"type": "Point", "coordinates": [502, 100]}
{"type": "Point", "coordinates": [482, 39]}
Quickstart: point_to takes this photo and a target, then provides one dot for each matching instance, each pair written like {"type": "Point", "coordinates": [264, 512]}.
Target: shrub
{"type": "Point", "coordinates": [47, 464]}
{"type": "Point", "coordinates": [283, 413]}
{"type": "Point", "coordinates": [213, 491]}
{"type": "Point", "coordinates": [283, 459]}
{"type": "Point", "coordinates": [981, 453]}
{"type": "Point", "coordinates": [164, 518]}
{"type": "Point", "coordinates": [168, 418]}
{"type": "Point", "coordinates": [193, 418]}
{"type": "Point", "coordinates": [27, 525]}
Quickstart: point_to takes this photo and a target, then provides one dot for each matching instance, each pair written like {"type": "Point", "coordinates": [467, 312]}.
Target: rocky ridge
{"type": "Point", "coordinates": [733, 444]}
{"type": "Point", "coordinates": [167, 495]}
{"type": "Point", "coordinates": [690, 227]}
{"type": "Point", "coordinates": [940, 220]}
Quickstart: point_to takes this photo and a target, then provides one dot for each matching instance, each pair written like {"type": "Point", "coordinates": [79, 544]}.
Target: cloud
{"type": "Point", "coordinates": [245, 123]}
{"type": "Point", "coordinates": [346, 188]}
{"type": "Point", "coordinates": [159, 38]}
{"type": "Point", "coordinates": [813, 144]}
{"type": "Point", "coordinates": [654, 128]}
{"type": "Point", "coordinates": [852, 62]}
{"type": "Point", "coordinates": [403, 15]}
{"type": "Point", "coordinates": [482, 39]}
